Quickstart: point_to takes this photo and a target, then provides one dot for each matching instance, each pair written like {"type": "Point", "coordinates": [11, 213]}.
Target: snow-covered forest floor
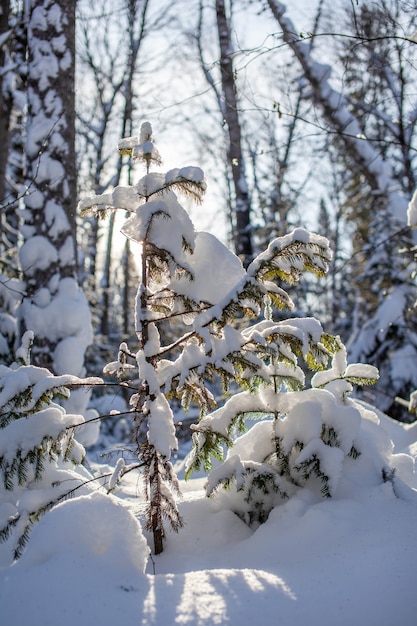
{"type": "Point", "coordinates": [348, 559]}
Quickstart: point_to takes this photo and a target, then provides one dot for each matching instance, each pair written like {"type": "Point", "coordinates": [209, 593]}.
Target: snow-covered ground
{"type": "Point", "coordinates": [339, 561]}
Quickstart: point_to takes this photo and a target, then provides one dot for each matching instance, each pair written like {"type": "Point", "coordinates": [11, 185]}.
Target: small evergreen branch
{"type": "Point", "coordinates": [23, 539]}
{"type": "Point", "coordinates": [7, 530]}
{"type": "Point", "coordinates": [206, 446]}
{"type": "Point", "coordinates": [281, 459]}
{"type": "Point", "coordinates": [329, 436]}
{"type": "Point", "coordinates": [261, 484]}
{"type": "Point", "coordinates": [354, 453]}
{"type": "Point", "coordinates": [287, 257]}
{"type": "Point", "coordinates": [191, 188]}
{"type": "Point", "coordinates": [312, 467]}
{"type": "Point", "coordinates": [161, 262]}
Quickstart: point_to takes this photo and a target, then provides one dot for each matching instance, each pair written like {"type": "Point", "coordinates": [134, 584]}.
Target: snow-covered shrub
{"type": "Point", "coordinates": [316, 438]}
{"type": "Point", "coordinates": [38, 450]}
{"type": "Point", "coordinates": [192, 278]}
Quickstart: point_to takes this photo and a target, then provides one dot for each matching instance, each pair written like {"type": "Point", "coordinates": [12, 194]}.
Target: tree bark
{"type": "Point", "coordinates": [4, 106]}
{"type": "Point", "coordinates": [242, 227]}
{"type": "Point", "coordinates": [48, 254]}
{"type": "Point", "coordinates": [126, 130]}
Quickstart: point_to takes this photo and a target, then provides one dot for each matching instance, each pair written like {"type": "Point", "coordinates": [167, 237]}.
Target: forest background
{"type": "Point", "coordinates": [305, 117]}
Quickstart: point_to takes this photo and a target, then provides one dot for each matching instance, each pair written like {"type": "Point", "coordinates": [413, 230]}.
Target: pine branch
{"type": "Point", "coordinates": [287, 257]}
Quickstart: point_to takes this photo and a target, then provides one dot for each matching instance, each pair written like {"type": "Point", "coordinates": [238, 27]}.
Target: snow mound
{"type": "Point", "coordinates": [95, 529]}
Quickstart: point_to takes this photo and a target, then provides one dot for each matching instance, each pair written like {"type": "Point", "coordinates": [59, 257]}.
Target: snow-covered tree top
{"type": "Point", "coordinates": [141, 148]}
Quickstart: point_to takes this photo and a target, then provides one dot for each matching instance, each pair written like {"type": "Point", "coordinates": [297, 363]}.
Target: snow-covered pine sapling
{"type": "Point", "coordinates": [166, 234]}
{"type": "Point", "coordinates": [36, 443]}
{"type": "Point", "coordinates": [192, 277]}
{"type": "Point", "coordinates": [303, 438]}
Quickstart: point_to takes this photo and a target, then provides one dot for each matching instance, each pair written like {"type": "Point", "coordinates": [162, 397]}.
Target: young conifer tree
{"type": "Point", "coordinates": [38, 449]}
{"type": "Point", "coordinates": [304, 438]}
{"type": "Point", "coordinates": [191, 277]}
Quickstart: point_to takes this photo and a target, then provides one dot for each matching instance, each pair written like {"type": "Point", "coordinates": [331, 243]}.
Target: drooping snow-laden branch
{"type": "Point", "coordinates": [335, 109]}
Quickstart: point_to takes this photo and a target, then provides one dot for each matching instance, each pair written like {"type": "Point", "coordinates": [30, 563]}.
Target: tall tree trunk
{"type": "Point", "coordinates": [126, 130]}
{"type": "Point", "coordinates": [53, 307]}
{"type": "Point", "coordinates": [242, 228]}
{"type": "Point", "coordinates": [4, 104]}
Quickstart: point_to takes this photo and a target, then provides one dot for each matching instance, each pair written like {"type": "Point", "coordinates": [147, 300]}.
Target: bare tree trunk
{"type": "Point", "coordinates": [127, 130]}
{"type": "Point", "coordinates": [126, 286]}
{"type": "Point", "coordinates": [106, 297]}
{"type": "Point", "coordinates": [242, 230]}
